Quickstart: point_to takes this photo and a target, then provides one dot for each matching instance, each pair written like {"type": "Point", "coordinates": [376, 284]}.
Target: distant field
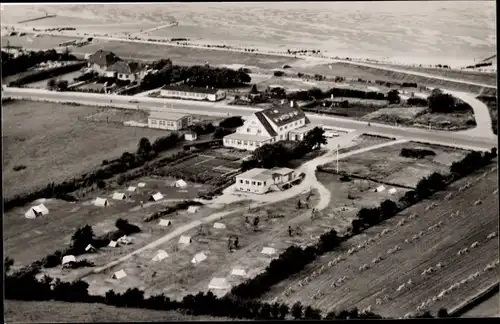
{"type": "Point", "coordinates": [43, 42]}
{"type": "Point", "coordinates": [60, 312]}
{"type": "Point", "coordinates": [54, 145]}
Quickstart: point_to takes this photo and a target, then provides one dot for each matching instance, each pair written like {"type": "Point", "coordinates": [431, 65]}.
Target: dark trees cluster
{"type": "Point", "coordinates": [13, 65]}
{"type": "Point", "coordinates": [34, 76]}
{"type": "Point", "coordinates": [418, 153]}
{"type": "Point", "coordinates": [417, 101]}
{"type": "Point", "coordinates": [171, 209]}
{"type": "Point", "coordinates": [440, 102]}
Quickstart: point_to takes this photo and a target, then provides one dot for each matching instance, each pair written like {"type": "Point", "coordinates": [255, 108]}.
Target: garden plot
{"type": "Point", "coordinates": [399, 281]}
{"type": "Point", "coordinates": [385, 164]}
{"type": "Point", "coordinates": [119, 115]}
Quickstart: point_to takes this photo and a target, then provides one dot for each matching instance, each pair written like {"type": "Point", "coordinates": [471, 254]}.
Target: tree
{"type": "Point", "coordinates": [357, 226]}
{"type": "Point", "coordinates": [441, 102]}
{"type": "Point", "coordinates": [284, 310]}
{"type": "Point", "coordinates": [7, 264]}
{"type": "Point", "coordinates": [314, 138]}
{"type": "Point", "coordinates": [82, 237]}
{"type": "Point", "coordinates": [297, 310]}
{"type": "Point", "coordinates": [271, 155]}
{"type": "Point", "coordinates": [256, 221]}
{"type": "Point", "coordinates": [51, 84]}
{"type": "Point", "coordinates": [328, 241]}
{"type": "Point", "coordinates": [220, 132]}
{"type": "Point", "coordinates": [144, 146]}
{"type": "Point", "coordinates": [442, 312]}
{"type": "Point", "coordinates": [265, 312]}
{"type": "Point", "coordinates": [62, 85]}
{"type": "Point", "coordinates": [231, 122]}
{"type": "Point", "coordinates": [312, 313]}
{"type": "Point", "coordinates": [254, 89]}
{"type": "Point", "coordinates": [388, 208]}
{"type": "Point", "coordinates": [393, 97]}
{"type": "Point", "coordinates": [275, 311]}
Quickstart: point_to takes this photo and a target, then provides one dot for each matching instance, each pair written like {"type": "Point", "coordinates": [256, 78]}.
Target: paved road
{"type": "Point", "coordinates": [457, 139]}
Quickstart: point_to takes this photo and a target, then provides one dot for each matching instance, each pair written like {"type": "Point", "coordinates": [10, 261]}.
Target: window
{"type": "Point", "coordinates": [239, 142]}
{"type": "Point", "coordinates": [253, 183]}
{"type": "Point", "coordinates": [247, 182]}
{"type": "Point", "coordinates": [245, 143]}
{"type": "Point", "coordinates": [251, 143]}
{"type": "Point", "coordinates": [241, 181]}
{"type": "Point", "coordinates": [259, 183]}
{"type": "Point", "coordinates": [281, 136]}
{"type": "Point", "coordinates": [295, 124]}
{"type": "Point", "coordinates": [265, 183]}
{"type": "Point", "coordinates": [281, 128]}
{"type": "Point", "coordinates": [248, 130]}
{"type": "Point", "coordinates": [259, 131]}
{"type": "Point", "coordinates": [153, 121]}
{"type": "Point", "coordinates": [286, 126]}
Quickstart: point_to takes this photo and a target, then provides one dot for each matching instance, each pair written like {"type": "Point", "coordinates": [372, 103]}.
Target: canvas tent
{"type": "Point", "coordinates": [239, 272]}
{"type": "Point", "coordinates": [113, 244]}
{"type": "Point", "coordinates": [268, 250]}
{"type": "Point", "coordinates": [380, 189]}
{"type": "Point", "coordinates": [193, 209]}
{"type": "Point", "coordinates": [68, 259]}
{"type": "Point", "coordinates": [219, 226]}
{"type": "Point", "coordinates": [101, 202]}
{"type": "Point", "coordinates": [120, 274]}
{"type": "Point", "coordinates": [36, 211]}
{"type": "Point", "coordinates": [199, 257]}
{"type": "Point", "coordinates": [219, 283]}
{"type": "Point", "coordinates": [131, 189]}
{"type": "Point", "coordinates": [165, 222]}
{"type": "Point", "coordinates": [141, 185]}
{"type": "Point", "coordinates": [156, 197]}
{"type": "Point", "coordinates": [90, 248]}
{"type": "Point", "coordinates": [160, 255]}
{"type": "Point", "coordinates": [180, 183]}
{"type": "Point", "coordinates": [124, 240]}
{"type": "Point", "coordinates": [119, 196]}
{"type": "Point", "coordinates": [392, 191]}
{"type": "Point", "coordinates": [184, 239]}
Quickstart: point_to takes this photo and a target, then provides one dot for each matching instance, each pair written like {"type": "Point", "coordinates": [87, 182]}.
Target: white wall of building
{"type": "Point", "coordinates": [164, 124]}
{"type": "Point", "coordinates": [252, 126]}
{"type": "Point", "coordinates": [253, 186]}
{"type": "Point", "coordinates": [193, 95]}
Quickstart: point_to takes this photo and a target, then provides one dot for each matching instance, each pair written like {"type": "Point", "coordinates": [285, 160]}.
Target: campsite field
{"type": "Point", "coordinates": [386, 165]}
{"type": "Point", "coordinates": [377, 286]}
{"type": "Point", "coordinates": [54, 145]}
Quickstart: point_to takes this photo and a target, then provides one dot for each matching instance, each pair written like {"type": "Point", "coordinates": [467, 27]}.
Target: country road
{"type": "Point", "coordinates": [464, 140]}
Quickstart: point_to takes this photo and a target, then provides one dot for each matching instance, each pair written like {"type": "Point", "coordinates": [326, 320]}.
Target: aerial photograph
{"type": "Point", "coordinates": [240, 161]}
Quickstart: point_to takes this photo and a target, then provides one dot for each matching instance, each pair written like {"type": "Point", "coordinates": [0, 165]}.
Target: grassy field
{"type": "Point", "coordinates": [61, 312]}
{"type": "Point", "coordinates": [385, 164]}
{"type": "Point", "coordinates": [365, 140]}
{"type": "Point", "coordinates": [43, 42]}
{"type": "Point", "coordinates": [53, 144]}
{"type": "Point", "coordinates": [435, 236]}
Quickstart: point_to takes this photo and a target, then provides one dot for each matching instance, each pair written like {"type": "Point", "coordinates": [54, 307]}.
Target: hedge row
{"type": "Point", "coordinates": [171, 209]}
{"type": "Point", "coordinates": [46, 74]}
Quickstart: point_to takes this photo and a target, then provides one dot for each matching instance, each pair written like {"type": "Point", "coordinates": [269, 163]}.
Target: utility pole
{"type": "Point", "coordinates": [338, 146]}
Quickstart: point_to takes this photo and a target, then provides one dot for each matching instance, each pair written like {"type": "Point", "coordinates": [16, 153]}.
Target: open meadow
{"type": "Point", "coordinates": [51, 141]}
{"type": "Point", "coordinates": [383, 268]}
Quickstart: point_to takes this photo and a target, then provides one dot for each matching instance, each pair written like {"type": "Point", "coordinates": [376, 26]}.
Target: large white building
{"type": "Point", "coordinates": [184, 91]}
{"type": "Point", "coordinates": [269, 126]}
{"type": "Point", "coordinates": [169, 120]}
{"type": "Point", "coordinates": [260, 181]}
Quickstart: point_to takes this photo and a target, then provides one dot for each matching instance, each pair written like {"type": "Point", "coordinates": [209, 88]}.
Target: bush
{"type": "Point", "coordinates": [170, 209]}
{"type": "Point", "coordinates": [278, 73]}
{"type": "Point", "coordinates": [19, 167]}
{"type": "Point", "coordinates": [416, 153]}
{"type": "Point", "coordinates": [45, 74]}
{"type": "Point", "coordinates": [231, 122]}
{"type": "Point", "coordinates": [417, 101]}
{"type": "Point", "coordinates": [126, 227]}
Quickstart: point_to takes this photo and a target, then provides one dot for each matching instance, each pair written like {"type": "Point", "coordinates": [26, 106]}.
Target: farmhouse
{"type": "Point", "coordinates": [261, 181]}
{"type": "Point", "coordinates": [184, 91]}
{"type": "Point", "coordinates": [127, 71]}
{"type": "Point", "coordinates": [169, 120]}
{"type": "Point", "coordinates": [269, 126]}
{"type": "Point", "coordinates": [101, 60]}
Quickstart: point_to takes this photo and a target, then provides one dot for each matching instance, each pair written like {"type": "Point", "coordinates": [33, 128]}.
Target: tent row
{"type": "Point", "coordinates": [381, 188]}
{"type": "Point", "coordinates": [103, 202]}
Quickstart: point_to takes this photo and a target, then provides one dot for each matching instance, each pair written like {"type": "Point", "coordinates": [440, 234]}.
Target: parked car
{"type": "Point", "coordinates": [134, 101]}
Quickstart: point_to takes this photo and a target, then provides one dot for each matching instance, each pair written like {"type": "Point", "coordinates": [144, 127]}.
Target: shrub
{"type": "Point", "coordinates": [19, 167]}
{"type": "Point", "coordinates": [416, 153]}
{"type": "Point", "coordinates": [231, 122]}
{"type": "Point", "coordinates": [417, 101]}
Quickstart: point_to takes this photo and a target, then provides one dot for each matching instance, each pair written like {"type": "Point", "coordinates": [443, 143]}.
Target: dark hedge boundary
{"type": "Point", "coordinates": [46, 74]}
{"type": "Point", "coordinates": [171, 209]}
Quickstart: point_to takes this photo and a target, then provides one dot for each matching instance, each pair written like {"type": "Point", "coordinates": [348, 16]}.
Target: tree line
{"type": "Point", "coordinates": [34, 76]}
{"type": "Point", "coordinates": [171, 209]}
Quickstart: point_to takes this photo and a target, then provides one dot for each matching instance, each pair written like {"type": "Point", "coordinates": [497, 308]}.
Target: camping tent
{"type": "Point", "coordinates": [101, 202]}
{"type": "Point", "coordinates": [239, 272]}
{"type": "Point", "coordinates": [380, 188]}
{"type": "Point", "coordinates": [219, 283]}
{"type": "Point", "coordinates": [180, 183]}
{"type": "Point", "coordinates": [68, 259]}
{"type": "Point", "coordinates": [160, 255]}
{"type": "Point", "coordinates": [90, 248]}
{"type": "Point", "coordinates": [113, 244]}
{"type": "Point", "coordinates": [392, 191]}
{"type": "Point", "coordinates": [141, 185]}
{"type": "Point", "coordinates": [184, 239]}
{"type": "Point", "coordinates": [124, 240]}
{"type": "Point", "coordinates": [36, 211]}
{"type": "Point", "coordinates": [119, 196]}
{"type": "Point", "coordinates": [131, 189]}
{"type": "Point", "coordinates": [165, 222]}
{"type": "Point", "coordinates": [219, 225]}
{"type": "Point", "coordinates": [193, 209]}
{"type": "Point", "coordinates": [119, 274]}
{"type": "Point", "coordinates": [268, 251]}
{"type": "Point", "coordinates": [157, 196]}
{"type": "Point", "coordinates": [199, 257]}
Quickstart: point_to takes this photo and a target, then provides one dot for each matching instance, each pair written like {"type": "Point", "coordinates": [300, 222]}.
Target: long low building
{"type": "Point", "coordinates": [169, 120]}
{"type": "Point", "coordinates": [184, 91]}
{"type": "Point", "coordinates": [260, 181]}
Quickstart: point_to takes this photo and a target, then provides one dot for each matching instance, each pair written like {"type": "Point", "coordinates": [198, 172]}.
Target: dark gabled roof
{"type": "Point", "coordinates": [265, 123]}
{"type": "Point", "coordinates": [187, 88]}
{"type": "Point", "coordinates": [125, 67]}
{"type": "Point", "coordinates": [103, 58]}
{"type": "Point", "coordinates": [284, 115]}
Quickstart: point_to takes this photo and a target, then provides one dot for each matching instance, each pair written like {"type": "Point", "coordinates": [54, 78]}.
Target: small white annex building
{"type": "Point", "coordinates": [198, 257]}
{"type": "Point", "coordinates": [392, 191]}
{"type": "Point", "coordinates": [120, 274]}
{"type": "Point", "coordinates": [193, 209]}
{"type": "Point", "coordinates": [90, 248]}
{"type": "Point", "coordinates": [156, 197]}
{"type": "Point", "coordinates": [160, 255]}
{"type": "Point", "coordinates": [141, 185]}
{"type": "Point", "coordinates": [219, 283]}
{"type": "Point", "coordinates": [268, 251]}
{"type": "Point", "coordinates": [165, 222]}
{"type": "Point", "coordinates": [119, 196]}
{"type": "Point", "coordinates": [260, 181]}
{"type": "Point", "coordinates": [180, 183]}
{"type": "Point", "coordinates": [131, 189]}
{"type": "Point", "coordinates": [219, 225]}
{"type": "Point", "coordinates": [68, 259]}
{"type": "Point", "coordinates": [190, 136]}
{"type": "Point", "coordinates": [101, 202]}
{"type": "Point", "coordinates": [380, 188]}
{"type": "Point", "coordinates": [185, 239]}
{"type": "Point", "coordinates": [113, 244]}
{"type": "Point", "coordinates": [239, 272]}
{"type": "Point", "coordinates": [36, 211]}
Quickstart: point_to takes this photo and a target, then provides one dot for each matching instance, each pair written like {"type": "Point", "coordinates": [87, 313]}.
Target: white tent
{"type": "Point", "coordinates": [131, 189]}
{"type": "Point", "coordinates": [101, 202]}
{"type": "Point", "coordinates": [239, 272]}
{"type": "Point", "coordinates": [119, 274]}
{"type": "Point", "coordinates": [90, 248]}
{"type": "Point", "coordinates": [199, 257]}
{"type": "Point", "coordinates": [119, 196]}
{"type": "Point", "coordinates": [141, 185]}
{"type": "Point", "coordinates": [180, 183]}
{"type": "Point", "coordinates": [392, 191]}
{"type": "Point", "coordinates": [68, 259]}
{"type": "Point", "coordinates": [219, 225]}
{"type": "Point", "coordinates": [185, 239]}
{"type": "Point", "coordinates": [157, 196]}
{"type": "Point", "coordinates": [219, 283]}
{"type": "Point", "coordinates": [124, 240]}
{"type": "Point", "coordinates": [165, 222]}
{"type": "Point", "coordinates": [193, 209]}
{"type": "Point", "coordinates": [268, 250]}
{"type": "Point", "coordinates": [160, 255]}
{"type": "Point", "coordinates": [36, 211]}
{"type": "Point", "coordinates": [113, 244]}
{"type": "Point", "coordinates": [380, 188]}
